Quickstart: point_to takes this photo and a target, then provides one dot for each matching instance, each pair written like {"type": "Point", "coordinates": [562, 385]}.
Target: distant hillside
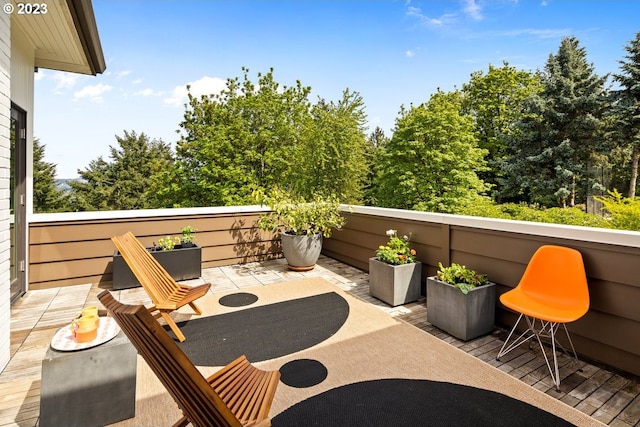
{"type": "Point", "coordinates": [63, 184]}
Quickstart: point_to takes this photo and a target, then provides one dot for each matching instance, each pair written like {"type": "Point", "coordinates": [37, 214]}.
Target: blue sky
{"type": "Point", "coordinates": [392, 52]}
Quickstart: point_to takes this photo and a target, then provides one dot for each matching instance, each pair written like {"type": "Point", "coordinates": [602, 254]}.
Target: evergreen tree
{"type": "Point", "coordinates": [47, 197]}
{"type": "Point", "coordinates": [626, 109]}
{"type": "Point", "coordinates": [432, 160]}
{"type": "Point", "coordinates": [126, 181]}
{"type": "Point", "coordinates": [560, 136]}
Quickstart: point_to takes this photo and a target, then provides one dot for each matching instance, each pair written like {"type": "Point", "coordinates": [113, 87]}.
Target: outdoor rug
{"type": "Point", "coordinates": [368, 370]}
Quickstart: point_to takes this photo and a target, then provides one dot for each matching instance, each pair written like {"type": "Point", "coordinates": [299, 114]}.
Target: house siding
{"type": "Point", "coordinates": [5, 120]}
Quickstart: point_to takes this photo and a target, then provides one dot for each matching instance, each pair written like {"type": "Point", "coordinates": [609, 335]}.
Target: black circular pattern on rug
{"type": "Point", "coordinates": [263, 332]}
{"type": "Point", "coordinates": [239, 299]}
{"type": "Point", "coordinates": [303, 373]}
{"type": "Point", "coordinates": [410, 403]}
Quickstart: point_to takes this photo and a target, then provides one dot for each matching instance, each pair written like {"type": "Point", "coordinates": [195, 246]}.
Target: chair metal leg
{"type": "Point", "coordinates": [546, 330]}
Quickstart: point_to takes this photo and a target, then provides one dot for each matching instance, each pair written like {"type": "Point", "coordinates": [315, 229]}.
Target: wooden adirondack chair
{"type": "Point", "coordinates": [166, 294]}
{"type": "Point", "coordinates": [238, 395]}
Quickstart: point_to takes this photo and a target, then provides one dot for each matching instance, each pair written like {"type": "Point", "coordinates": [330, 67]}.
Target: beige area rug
{"type": "Point", "coordinates": [370, 345]}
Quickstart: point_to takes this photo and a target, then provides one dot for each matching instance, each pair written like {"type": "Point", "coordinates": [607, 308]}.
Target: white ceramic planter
{"type": "Point", "coordinates": [394, 284]}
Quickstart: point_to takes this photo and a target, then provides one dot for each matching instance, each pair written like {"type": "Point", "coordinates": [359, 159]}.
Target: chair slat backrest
{"type": "Point", "coordinates": [152, 276]}
{"type": "Point", "coordinates": [191, 391]}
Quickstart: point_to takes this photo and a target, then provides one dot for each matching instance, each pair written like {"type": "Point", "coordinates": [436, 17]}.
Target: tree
{"type": "Point", "coordinates": [495, 100]}
{"type": "Point", "coordinates": [263, 136]}
{"type": "Point", "coordinates": [376, 141]}
{"type": "Point", "coordinates": [47, 197]}
{"type": "Point", "coordinates": [125, 182]}
{"type": "Point", "coordinates": [627, 108]}
{"type": "Point", "coordinates": [432, 160]}
{"type": "Point", "coordinates": [559, 139]}
{"type": "Point", "coordinates": [237, 141]}
{"type": "Point", "coordinates": [333, 161]}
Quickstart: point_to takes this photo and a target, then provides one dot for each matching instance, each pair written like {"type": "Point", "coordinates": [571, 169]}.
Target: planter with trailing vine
{"type": "Point", "coordinates": [461, 302]}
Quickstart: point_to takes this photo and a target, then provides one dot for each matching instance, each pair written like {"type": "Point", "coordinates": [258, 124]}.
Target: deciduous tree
{"type": "Point", "coordinates": [432, 160]}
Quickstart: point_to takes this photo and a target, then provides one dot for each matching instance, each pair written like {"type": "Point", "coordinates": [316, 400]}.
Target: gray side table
{"type": "Point", "coordinates": [91, 387]}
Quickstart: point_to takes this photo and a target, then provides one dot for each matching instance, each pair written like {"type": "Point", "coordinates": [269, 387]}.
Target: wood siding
{"type": "Point", "coordinates": [67, 251]}
{"type": "Point", "coordinates": [5, 123]}
{"type": "Point", "coordinates": [607, 334]}
{"type": "Point", "coordinates": [75, 252]}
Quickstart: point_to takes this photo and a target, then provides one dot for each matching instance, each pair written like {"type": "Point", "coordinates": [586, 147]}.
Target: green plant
{"type": "Point", "coordinates": [294, 215]}
{"type": "Point", "coordinates": [187, 234]}
{"type": "Point", "coordinates": [461, 277]}
{"type": "Point", "coordinates": [168, 243]}
{"type": "Point", "coordinates": [397, 251]}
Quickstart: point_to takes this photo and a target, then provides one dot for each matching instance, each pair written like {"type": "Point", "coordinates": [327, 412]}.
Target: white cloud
{"type": "Point", "coordinates": [410, 54]}
{"type": "Point", "coordinates": [93, 92]}
{"type": "Point", "coordinates": [416, 12]}
{"type": "Point", "coordinates": [62, 80]}
{"type": "Point", "coordinates": [123, 73]}
{"type": "Point", "coordinates": [136, 81]}
{"type": "Point", "coordinates": [474, 10]}
{"type": "Point", "coordinates": [204, 86]}
{"type": "Point", "coordinates": [148, 92]}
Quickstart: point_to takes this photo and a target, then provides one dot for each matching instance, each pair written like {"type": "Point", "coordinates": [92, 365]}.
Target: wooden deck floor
{"type": "Point", "coordinates": [611, 397]}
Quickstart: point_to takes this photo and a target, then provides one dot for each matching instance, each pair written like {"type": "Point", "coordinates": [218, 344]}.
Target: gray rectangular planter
{"type": "Point", "coordinates": [181, 263]}
{"type": "Point", "coordinates": [394, 284]}
{"type": "Point", "coordinates": [464, 316]}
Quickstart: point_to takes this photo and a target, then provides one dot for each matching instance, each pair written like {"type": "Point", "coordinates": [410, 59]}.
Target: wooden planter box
{"type": "Point", "coordinates": [394, 284]}
{"type": "Point", "coordinates": [464, 316]}
{"type": "Point", "coordinates": [181, 263]}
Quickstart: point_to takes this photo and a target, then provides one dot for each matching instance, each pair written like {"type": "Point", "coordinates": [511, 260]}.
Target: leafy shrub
{"type": "Point", "coordinates": [624, 211]}
{"type": "Point", "coordinates": [461, 277]}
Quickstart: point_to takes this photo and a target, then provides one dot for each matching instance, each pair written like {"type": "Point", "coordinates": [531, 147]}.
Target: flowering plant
{"type": "Point", "coordinates": [397, 251]}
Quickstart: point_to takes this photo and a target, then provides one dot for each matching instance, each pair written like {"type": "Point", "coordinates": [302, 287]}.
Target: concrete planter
{"type": "Point", "coordinates": [301, 252]}
{"type": "Point", "coordinates": [182, 263]}
{"type": "Point", "coordinates": [394, 284]}
{"type": "Point", "coordinates": [464, 316]}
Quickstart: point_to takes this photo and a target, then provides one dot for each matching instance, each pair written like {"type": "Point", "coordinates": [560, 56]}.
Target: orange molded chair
{"type": "Point", "coordinates": [552, 292]}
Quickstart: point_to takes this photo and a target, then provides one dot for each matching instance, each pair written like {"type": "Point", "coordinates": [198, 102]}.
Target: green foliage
{"type": "Point", "coordinates": [626, 111]}
{"type": "Point", "coordinates": [264, 135]}
{"type": "Point", "coordinates": [397, 251]}
{"type": "Point", "coordinates": [432, 160]}
{"type": "Point", "coordinates": [461, 277]}
{"type": "Point", "coordinates": [523, 212]}
{"type": "Point", "coordinates": [336, 137]}
{"type": "Point", "coordinates": [556, 147]}
{"type": "Point", "coordinates": [168, 243]}
{"type": "Point", "coordinates": [187, 234]}
{"type": "Point", "coordinates": [624, 211]}
{"type": "Point", "coordinates": [297, 216]}
{"type": "Point", "coordinates": [46, 196]}
{"type": "Point", "coordinates": [495, 100]}
{"type": "Point", "coordinates": [126, 181]}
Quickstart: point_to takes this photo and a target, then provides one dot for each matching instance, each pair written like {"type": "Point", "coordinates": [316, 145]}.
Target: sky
{"type": "Point", "coordinates": [394, 53]}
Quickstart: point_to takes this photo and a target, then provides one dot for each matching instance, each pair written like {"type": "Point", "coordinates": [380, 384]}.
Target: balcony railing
{"type": "Point", "coordinates": [74, 248]}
